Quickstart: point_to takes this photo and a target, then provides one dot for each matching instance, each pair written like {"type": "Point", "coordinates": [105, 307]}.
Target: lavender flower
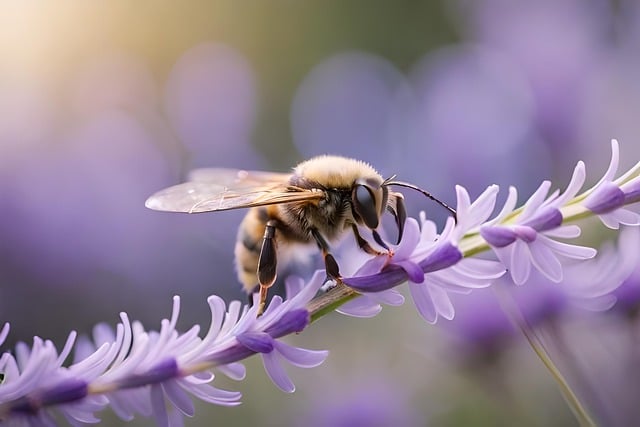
{"type": "Point", "coordinates": [590, 284]}
{"type": "Point", "coordinates": [433, 266]}
{"type": "Point", "coordinates": [607, 198]}
{"type": "Point", "coordinates": [526, 239]}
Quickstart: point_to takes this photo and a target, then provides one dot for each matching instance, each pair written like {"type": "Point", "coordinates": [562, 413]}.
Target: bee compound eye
{"type": "Point", "coordinates": [365, 206]}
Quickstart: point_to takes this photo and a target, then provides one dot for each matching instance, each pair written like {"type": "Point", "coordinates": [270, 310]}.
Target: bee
{"type": "Point", "coordinates": [321, 200]}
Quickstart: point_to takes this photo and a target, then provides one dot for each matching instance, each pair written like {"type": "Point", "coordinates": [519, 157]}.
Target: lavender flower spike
{"type": "Point", "coordinates": [150, 373]}
{"type": "Point", "coordinates": [607, 198]}
{"type": "Point", "coordinates": [525, 238]}
{"type": "Point", "coordinates": [431, 263]}
{"type": "Point", "coordinates": [243, 334]}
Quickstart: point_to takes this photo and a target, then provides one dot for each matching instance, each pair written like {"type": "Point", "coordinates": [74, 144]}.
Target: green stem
{"type": "Point", "coordinates": [331, 300]}
{"type": "Point", "coordinates": [578, 409]}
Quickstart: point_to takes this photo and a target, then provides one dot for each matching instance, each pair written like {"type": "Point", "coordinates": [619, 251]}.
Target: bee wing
{"type": "Point", "coordinates": [224, 189]}
{"type": "Point", "coordinates": [237, 178]}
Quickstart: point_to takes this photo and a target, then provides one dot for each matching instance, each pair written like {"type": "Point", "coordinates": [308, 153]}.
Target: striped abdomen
{"type": "Point", "coordinates": [250, 235]}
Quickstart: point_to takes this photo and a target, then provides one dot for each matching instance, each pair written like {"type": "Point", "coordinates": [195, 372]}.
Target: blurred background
{"type": "Point", "coordinates": [104, 103]}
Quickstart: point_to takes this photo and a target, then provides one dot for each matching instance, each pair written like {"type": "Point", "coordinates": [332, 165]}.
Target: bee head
{"type": "Point", "coordinates": [368, 198]}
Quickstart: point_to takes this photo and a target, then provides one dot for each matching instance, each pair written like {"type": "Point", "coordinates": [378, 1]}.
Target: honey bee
{"type": "Point", "coordinates": [318, 202]}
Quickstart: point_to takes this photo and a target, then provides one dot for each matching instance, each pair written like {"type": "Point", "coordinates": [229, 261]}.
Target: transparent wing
{"type": "Point", "coordinates": [224, 189]}
{"type": "Point", "coordinates": [237, 178]}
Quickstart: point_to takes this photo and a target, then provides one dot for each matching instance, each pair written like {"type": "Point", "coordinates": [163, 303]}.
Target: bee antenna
{"type": "Point", "coordinates": [389, 181]}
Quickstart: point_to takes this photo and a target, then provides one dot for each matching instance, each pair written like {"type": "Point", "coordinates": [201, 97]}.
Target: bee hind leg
{"type": "Point", "coordinates": [267, 263]}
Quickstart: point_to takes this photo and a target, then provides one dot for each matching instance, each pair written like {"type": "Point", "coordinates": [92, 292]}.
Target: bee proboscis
{"type": "Point", "coordinates": [322, 198]}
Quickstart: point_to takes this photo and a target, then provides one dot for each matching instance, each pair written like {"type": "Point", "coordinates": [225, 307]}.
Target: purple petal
{"type": "Point", "coordinates": [293, 285]}
{"type": "Point", "coordinates": [259, 342]}
{"type": "Point", "coordinates": [567, 250]}
{"type": "Point", "coordinates": [577, 180]}
{"type": "Point", "coordinates": [79, 413]}
{"type": "Point", "coordinates": [613, 164]}
{"type": "Point", "coordinates": [545, 219]}
{"type": "Point", "coordinates": [291, 322]}
{"type": "Point", "coordinates": [214, 395]}
{"type": "Point", "coordinates": [631, 191]}
{"type": "Point", "coordinates": [525, 233]}
{"type": "Point", "coordinates": [165, 370]}
{"type": "Point", "coordinates": [520, 262]}
{"type": "Point", "coordinates": [387, 279]}
{"type": "Point", "coordinates": [301, 357]}
{"type": "Point", "coordinates": [390, 297]}
{"type": "Point", "coordinates": [363, 307]}
{"type": "Point", "coordinates": [531, 206]}
{"type": "Point", "coordinates": [4, 332]}
{"type": "Point", "coordinates": [485, 203]}
{"type": "Point", "coordinates": [564, 232]}
{"type": "Point", "coordinates": [444, 256]}
{"type": "Point", "coordinates": [472, 215]}
{"type": "Point", "coordinates": [463, 201]}
{"type": "Point", "coordinates": [423, 302]}
{"type": "Point", "coordinates": [179, 398]}
{"type": "Point", "coordinates": [410, 239]}
{"type": "Point", "coordinates": [545, 261]}
{"type": "Point", "coordinates": [620, 216]}
{"type": "Point", "coordinates": [159, 408]}
{"type": "Point", "coordinates": [413, 270]}
{"type": "Point", "coordinates": [480, 268]}
{"type": "Point", "coordinates": [497, 236]}
{"type": "Point", "coordinates": [605, 198]}
{"type": "Point", "coordinates": [372, 266]}
{"type": "Point", "coordinates": [276, 372]}
{"type": "Point", "coordinates": [66, 391]}
{"type": "Point", "coordinates": [441, 302]}
{"type": "Point", "coordinates": [235, 371]}
{"type": "Point", "coordinates": [507, 208]}
{"type": "Point", "coordinates": [229, 355]}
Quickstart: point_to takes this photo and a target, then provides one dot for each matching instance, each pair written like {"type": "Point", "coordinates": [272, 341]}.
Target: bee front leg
{"type": "Point", "coordinates": [267, 263]}
{"type": "Point", "coordinates": [363, 244]}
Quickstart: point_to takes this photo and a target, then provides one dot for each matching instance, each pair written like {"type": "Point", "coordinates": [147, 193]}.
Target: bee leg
{"type": "Point", "coordinates": [395, 205]}
{"type": "Point", "coordinates": [381, 242]}
{"type": "Point", "coordinates": [330, 263]}
{"type": "Point", "coordinates": [363, 244]}
{"type": "Point", "coordinates": [250, 295]}
{"type": "Point", "coordinates": [267, 263]}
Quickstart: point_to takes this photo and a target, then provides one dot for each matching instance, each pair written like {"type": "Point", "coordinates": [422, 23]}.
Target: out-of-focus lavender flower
{"type": "Point", "coordinates": [362, 402]}
{"type": "Point", "coordinates": [628, 294]}
{"type": "Point", "coordinates": [477, 85]}
{"type": "Point", "coordinates": [210, 102]}
{"type": "Point", "coordinates": [480, 330]}
{"type": "Point", "coordinates": [348, 101]}
{"type": "Point", "coordinates": [556, 45]}
{"type": "Point", "coordinates": [482, 326]}
{"type": "Point", "coordinates": [527, 240]}
{"type": "Point", "coordinates": [73, 174]}
{"type": "Point", "coordinates": [592, 284]}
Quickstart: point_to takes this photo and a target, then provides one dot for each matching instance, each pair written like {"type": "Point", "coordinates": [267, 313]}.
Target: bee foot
{"type": "Point", "coordinates": [330, 283]}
